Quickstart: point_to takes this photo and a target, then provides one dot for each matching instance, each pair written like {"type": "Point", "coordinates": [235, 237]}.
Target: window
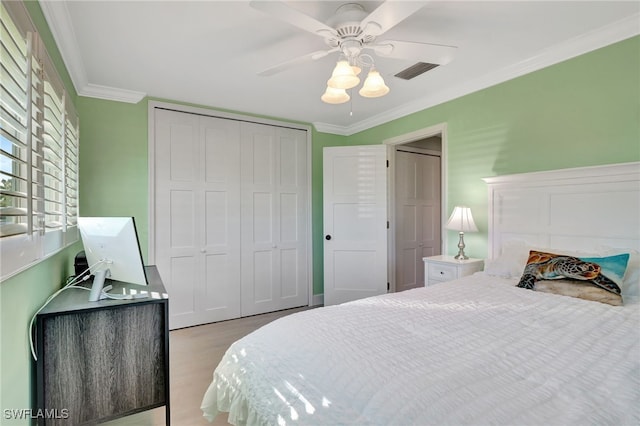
{"type": "Point", "coordinates": [39, 135]}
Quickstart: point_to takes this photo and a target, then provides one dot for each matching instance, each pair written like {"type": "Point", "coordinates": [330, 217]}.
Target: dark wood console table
{"type": "Point", "coordinates": [102, 360]}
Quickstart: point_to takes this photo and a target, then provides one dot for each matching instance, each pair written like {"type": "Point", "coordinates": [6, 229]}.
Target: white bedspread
{"type": "Point", "coordinates": [475, 351]}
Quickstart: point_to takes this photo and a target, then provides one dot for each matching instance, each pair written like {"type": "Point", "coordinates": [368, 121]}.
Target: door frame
{"type": "Point", "coordinates": [392, 143]}
{"type": "Point", "coordinates": [153, 105]}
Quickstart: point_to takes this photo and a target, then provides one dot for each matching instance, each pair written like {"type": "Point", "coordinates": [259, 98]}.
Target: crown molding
{"type": "Point", "coordinates": [601, 37]}
{"type": "Point", "coordinates": [111, 93]}
{"type": "Point", "coordinates": [59, 21]}
{"type": "Point", "coordinates": [332, 128]}
{"type": "Point", "coordinates": [57, 16]}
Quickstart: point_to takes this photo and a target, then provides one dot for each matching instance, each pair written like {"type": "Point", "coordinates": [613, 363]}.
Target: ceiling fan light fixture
{"type": "Point", "coordinates": [373, 86]}
{"type": "Point", "coordinates": [335, 96]}
{"type": "Point", "coordinates": [343, 76]}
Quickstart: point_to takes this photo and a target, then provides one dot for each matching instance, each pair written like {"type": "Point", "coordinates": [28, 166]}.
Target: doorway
{"type": "Point", "coordinates": [417, 191]}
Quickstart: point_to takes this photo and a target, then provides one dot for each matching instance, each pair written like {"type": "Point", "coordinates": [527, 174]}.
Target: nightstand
{"type": "Point", "coordinates": [446, 268]}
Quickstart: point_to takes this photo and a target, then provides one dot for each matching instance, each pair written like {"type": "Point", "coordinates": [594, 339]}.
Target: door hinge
{"type": "Point", "coordinates": [387, 224]}
{"type": "Point", "coordinates": [388, 286]}
{"type": "Point", "coordinates": [387, 163]}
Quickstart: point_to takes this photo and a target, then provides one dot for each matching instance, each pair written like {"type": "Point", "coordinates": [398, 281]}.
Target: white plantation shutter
{"type": "Point", "coordinates": [72, 139]}
{"type": "Point", "coordinates": [38, 148]}
{"type": "Point", "coordinates": [14, 134]}
{"type": "Point", "coordinates": [53, 174]}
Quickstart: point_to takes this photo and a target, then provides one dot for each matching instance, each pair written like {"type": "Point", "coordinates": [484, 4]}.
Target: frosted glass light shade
{"type": "Point", "coordinates": [373, 86]}
{"type": "Point", "coordinates": [462, 220]}
{"type": "Point", "coordinates": [335, 96]}
{"type": "Point", "coordinates": [343, 76]}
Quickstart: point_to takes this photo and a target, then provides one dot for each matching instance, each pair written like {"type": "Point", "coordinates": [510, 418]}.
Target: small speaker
{"type": "Point", "coordinates": [80, 264]}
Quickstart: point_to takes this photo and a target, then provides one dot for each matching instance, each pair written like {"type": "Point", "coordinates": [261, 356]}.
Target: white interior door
{"type": "Point", "coordinates": [355, 222]}
{"type": "Point", "coordinates": [197, 216]}
{"type": "Point", "coordinates": [417, 215]}
{"type": "Point", "coordinates": [274, 219]}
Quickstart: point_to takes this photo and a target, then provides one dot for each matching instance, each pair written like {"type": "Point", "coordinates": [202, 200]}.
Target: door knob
{"type": "Point", "coordinates": [328, 237]}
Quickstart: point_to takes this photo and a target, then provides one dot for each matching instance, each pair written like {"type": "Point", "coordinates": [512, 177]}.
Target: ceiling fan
{"type": "Point", "coordinates": [350, 31]}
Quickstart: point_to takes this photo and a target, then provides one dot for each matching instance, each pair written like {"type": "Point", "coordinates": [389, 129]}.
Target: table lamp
{"type": "Point", "coordinates": [461, 220]}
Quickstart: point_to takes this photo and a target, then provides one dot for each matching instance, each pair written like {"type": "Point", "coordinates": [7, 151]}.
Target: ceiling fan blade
{"type": "Point", "coordinates": [294, 17]}
{"type": "Point", "coordinates": [296, 61]}
{"type": "Point", "coordinates": [423, 52]}
{"type": "Point", "coordinates": [388, 15]}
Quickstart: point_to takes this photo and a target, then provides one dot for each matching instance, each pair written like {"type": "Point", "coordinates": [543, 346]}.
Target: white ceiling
{"type": "Point", "coordinates": [209, 52]}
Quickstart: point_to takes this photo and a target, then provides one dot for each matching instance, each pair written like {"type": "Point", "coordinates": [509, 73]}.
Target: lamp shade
{"type": "Point", "coordinates": [335, 96]}
{"type": "Point", "coordinates": [374, 86]}
{"type": "Point", "coordinates": [343, 76]}
{"type": "Point", "coordinates": [461, 220]}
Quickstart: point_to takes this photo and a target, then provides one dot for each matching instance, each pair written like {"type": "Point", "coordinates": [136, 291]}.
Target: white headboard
{"type": "Point", "coordinates": [577, 209]}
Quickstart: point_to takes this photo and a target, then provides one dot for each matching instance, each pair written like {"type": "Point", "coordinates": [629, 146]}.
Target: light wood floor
{"type": "Point", "coordinates": [193, 355]}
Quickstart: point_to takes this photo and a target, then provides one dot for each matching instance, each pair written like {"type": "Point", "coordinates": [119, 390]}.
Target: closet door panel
{"type": "Point", "coordinates": [262, 164]}
{"type": "Point", "coordinates": [183, 270]}
{"type": "Point", "coordinates": [258, 210]}
{"type": "Point", "coordinates": [182, 151]}
{"type": "Point", "coordinates": [217, 220]}
{"type": "Point", "coordinates": [182, 220]}
{"type": "Point", "coordinates": [260, 289]}
{"type": "Point", "coordinates": [177, 202]}
{"type": "Point", "coordinates": [218, 273]}
{"type": "Point", "coordinates": [293, 196]}
{"type": "Point", "coordinates": [196, 216]}
{"type": "Point", "coordinates": [290, 271]}
{"type": "Point", "coordinates": [220, 222]}
{"type": "Point", "coordinates": [262, 220]}
{"type": "Point", "coordinates": [289, 226]}
{"type": "Point", "coordinates": [273, 192]}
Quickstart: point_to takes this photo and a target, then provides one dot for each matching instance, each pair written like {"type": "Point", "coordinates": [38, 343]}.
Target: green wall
{"type": "Point", "coordinates": [20, 298]}
{"type": "Point", "coordinates": [585, 111]}
{"type": "Point", "coordinates": [582, 112]}
{"type": "Point", "coordinates": [114, 172]}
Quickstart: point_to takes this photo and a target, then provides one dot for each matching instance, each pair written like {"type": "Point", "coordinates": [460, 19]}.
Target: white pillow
{"type": "Point", "coordinates": [511, 262]}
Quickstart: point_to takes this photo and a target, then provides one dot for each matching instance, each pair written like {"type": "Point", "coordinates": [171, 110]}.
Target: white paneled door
{"type": "Point", "coordinates": [355, 222]}
{"type": "Point", "coordinates": [197, 239]}
{"type": "Point", "coordinates": [230, 216]}
{"type": "Point", "coordinates": [274, 241]}
{"type": "Point", "coordinates": [417, 215]}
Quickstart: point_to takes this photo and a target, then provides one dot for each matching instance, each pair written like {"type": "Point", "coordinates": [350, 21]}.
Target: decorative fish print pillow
{"type": "Point", "coordinates": [589, 278]}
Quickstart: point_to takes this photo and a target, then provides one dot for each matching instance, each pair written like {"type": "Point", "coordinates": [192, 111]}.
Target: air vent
{"type": "Point", "coordinates": [415, 70]}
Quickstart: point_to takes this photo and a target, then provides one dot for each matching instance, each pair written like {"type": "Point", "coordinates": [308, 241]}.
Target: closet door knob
{"type": "Point", "coordinates": [328, 237]}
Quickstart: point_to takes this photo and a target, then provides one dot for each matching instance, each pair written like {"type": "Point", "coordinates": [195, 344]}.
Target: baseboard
{"type": "Point", "coordinates": [317, 300]}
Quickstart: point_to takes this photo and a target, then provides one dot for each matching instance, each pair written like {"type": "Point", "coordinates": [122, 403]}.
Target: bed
{"type": "Point", "coordinates": [478, 350]}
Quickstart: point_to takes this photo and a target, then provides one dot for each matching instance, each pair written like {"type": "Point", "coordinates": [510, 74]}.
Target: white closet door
{"type": "Point", "coordinates": [417, 216]}
{"type": "Point", "coordinates": [274, 218]}
{"type": "Point", "coordinates": [197, 216]}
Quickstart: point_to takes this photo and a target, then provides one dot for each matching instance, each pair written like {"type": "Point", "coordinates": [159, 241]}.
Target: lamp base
{"type": "Point", "coordinates": [461, 255]}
